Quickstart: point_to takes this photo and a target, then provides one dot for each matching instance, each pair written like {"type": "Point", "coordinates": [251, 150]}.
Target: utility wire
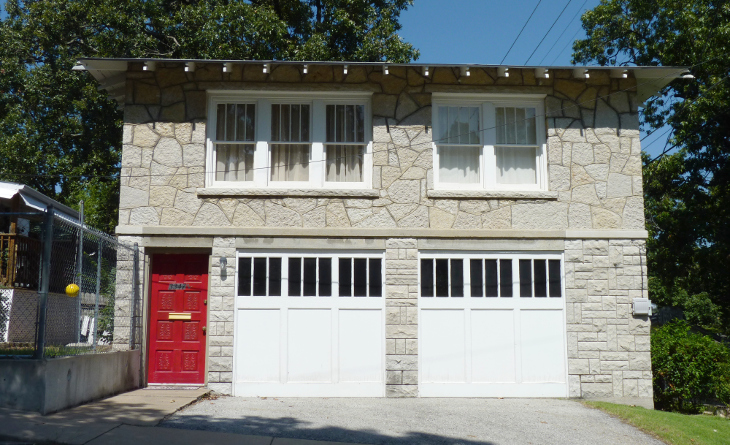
{"type": "Point", "coordinates": [523, 28]}
{"type": "Point", "coordinates": [548, 31]}
{"type": "Point", "coordinates": [564, 29]}
{"type": "Point", "coordinates": [572, 39]}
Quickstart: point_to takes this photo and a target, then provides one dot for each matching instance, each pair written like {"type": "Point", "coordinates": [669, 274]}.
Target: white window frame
{"type": "Point", "coordinates": [487, 104]}
{"type": "Point", "coordinates": [262, 154]}
{"type": "Point", "coordinates": [334, 256]}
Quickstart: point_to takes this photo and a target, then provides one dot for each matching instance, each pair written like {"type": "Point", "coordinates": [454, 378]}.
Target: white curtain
{"type": "Point", "coordinates": [459, 164]}
{"type": "Point", "coordinates": [516, 165]}
{"type": "Point", "coordinates": [234, 162]}
{"type": "Point", "coordinates": [344, 163]}
{"type": "Point", "coordinates": [290, 162]}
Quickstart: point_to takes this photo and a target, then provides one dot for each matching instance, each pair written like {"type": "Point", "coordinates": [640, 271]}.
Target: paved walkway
{"type": "Point", "coordinates": [412, 421]}
{"type": "Point", "coordinates": [126, 419]}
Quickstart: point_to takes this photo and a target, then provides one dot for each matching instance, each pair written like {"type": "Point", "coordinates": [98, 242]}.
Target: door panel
{"type": "Point", "coordinates": [178, 316]}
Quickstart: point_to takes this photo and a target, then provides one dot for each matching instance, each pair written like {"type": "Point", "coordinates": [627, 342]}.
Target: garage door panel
{"type": "Point", "coordinates": [258, 339]}
{"type": "Point", "coordinates": [443, 349]}
{"type": "Point", "coordinates": [309, 355]}
{"type": "Point", "coordinates": [493, 345]}
{"type": "Point", "coordinates": [543, 350]}
{"type": "Point", "coordinates": [360, 346]}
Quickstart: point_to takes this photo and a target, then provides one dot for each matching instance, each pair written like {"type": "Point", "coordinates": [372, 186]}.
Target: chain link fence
{"type": "Point", "coordinates": [65, 288]}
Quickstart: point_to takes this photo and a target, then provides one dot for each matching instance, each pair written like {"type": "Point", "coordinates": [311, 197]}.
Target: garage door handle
{"type": "Point", "coordinates": [204, 329]}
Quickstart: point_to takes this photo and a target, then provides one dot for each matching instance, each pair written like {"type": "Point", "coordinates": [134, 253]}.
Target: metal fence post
{"type": "Point", "coordinates": [45, 282]}
{"type": "Point", "coordinates": [99, 252]}
{"type": "Point", "coordinates": [135, 297]}
{"type": "Point", "coordinates": [80, 271]}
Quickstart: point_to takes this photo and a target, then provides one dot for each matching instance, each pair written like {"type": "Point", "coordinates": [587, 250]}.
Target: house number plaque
{"type": "Point", "coordinates": [178, 286]}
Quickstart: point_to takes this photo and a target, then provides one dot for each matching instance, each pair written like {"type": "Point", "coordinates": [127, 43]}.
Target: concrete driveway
{"type": "Point", "coordinates": [412, 421]}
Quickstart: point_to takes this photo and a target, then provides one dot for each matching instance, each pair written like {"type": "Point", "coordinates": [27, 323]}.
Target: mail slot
{"type": "Point", "coordinates": [179, 316]}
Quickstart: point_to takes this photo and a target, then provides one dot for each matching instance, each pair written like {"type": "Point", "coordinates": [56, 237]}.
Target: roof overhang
{"type": "Point", "coordinates": [111, 73]}
{"type": "Point", "coordinates": [36, 200]}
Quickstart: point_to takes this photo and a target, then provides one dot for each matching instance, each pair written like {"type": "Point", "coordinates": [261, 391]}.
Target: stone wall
{"type": "Point", "coordinates": [608, 347]}
{"type": "Point", "coordinates": [401, 318]}
{"type": "Point", "coordinates": [593, 152]}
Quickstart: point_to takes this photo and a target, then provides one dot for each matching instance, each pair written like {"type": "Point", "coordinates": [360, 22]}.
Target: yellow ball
{"type": "Point", "coordinates": [72, 290]}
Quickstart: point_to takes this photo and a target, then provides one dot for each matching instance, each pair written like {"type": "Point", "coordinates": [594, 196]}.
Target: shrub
{"type": "Point", "coordinates": [689, 369]}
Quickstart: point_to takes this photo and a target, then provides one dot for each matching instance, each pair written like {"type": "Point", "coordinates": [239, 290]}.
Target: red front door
{"type": "Point", "coordinates": [178, 319]}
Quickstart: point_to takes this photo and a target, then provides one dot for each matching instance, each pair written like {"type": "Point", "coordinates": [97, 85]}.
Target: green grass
{"type": "Point", "coordinates": [672, 428]}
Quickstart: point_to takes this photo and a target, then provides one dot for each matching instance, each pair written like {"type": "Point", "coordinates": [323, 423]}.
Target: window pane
{"type": "Point", "coordinates": [505, 278]}
{"type": "Point", "coordinates": [376, 277]}
{"type": "Point", "coordinates": [501, 125]}
{"type": "Point", "coordinates": [295, 277]}
{"type": "Point", "coordinates": [442, 278]}
{"type": "Point", "coordinates": [285, 123]}
{"type": "Point", "coordinates": [234, 162]}
{"type": "Point", "coordinates": [360, 277]}
{"type": "Point", "coordinates": [220, 119]}
{"type": "Point", "coordinates": [274, 277]}
{"type": "Point", "coordinates": [457, 278]}
{"type": "Point", "coordinates": [275, 119]}
{"type": "Point", "coordinates": [242, 124]}
{"type": "Point", "coordinates": [459, 125]}
{"type": "Point", "coordinates": [295, 123]}
{"type": "Point", "coordinates": [427, 278]}
{"type": "Point", "coordinates": [325, 277]}
{"type": "Point", "coordinates": [250, 122]}
{"type": "Point", "coordinates": [530, 126]}
{"type": "Point", "coordinates": [244, 277]}
{"type": "Point", "coordinates": [490, 273]}
{"type": "Point", "coordinates": [305, 123]}
{"type": "Point", "coordinates": [556, 290]}
{"type": "Point", "coordinates": [290, 162]}
{"type": "Point", "coordinates": [360, 123]}
{"type": "Point", "coordinates": [520, 136]}
{"type": "Point", "coordinates": [310, 277]}
{"type": "Point", "coordinates": [459, 164]}
{"type": "Point", "coordinates": [525, 278]}
{"type": "Point", "coordinates": [344, 163]}
{"type": "Point", "coordinates": [475, 277]}
{"type": "Point", "coordinates": [540, 278]}
{"type": "Point", "coordinates": [330, 118]}
{"type": "Point", "coordinates": [259, 277]}
{"type": "Point", "coordinates": [345, 277]}
{"type": "Point", "coordinates": [230, 122]}
{"type": "Point", "coordinates": [516, 165]}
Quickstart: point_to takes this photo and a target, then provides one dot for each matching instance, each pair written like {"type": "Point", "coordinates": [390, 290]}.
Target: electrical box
{"type": "Point", "coordinates": [642, 306]}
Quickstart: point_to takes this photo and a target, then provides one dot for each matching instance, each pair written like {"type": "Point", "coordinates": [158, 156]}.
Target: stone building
{"type": "Point", "coordinates": [362, 229]}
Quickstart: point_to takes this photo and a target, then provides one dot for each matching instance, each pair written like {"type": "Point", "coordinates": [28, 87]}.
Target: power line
{"type": "Point", "coordinates": [548, 31]}
{"type": "Point", "coordinates": [565, 46]}
{"type": "Point", "coordinates": [564, 29]}
{"type": "Point", "coordinates": [523, 28]}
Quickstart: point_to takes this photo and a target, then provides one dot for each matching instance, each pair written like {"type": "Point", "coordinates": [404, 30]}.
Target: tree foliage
{"type": "Point", "coordinates": [689, 369]}
{"type": "Point", "coordinates": [61, 135]}
{"type": "Point", "coordinates": [687, 192]}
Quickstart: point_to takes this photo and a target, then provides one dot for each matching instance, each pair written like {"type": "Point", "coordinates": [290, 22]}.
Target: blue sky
{"type": "Point", "coordinates": [481, 31]}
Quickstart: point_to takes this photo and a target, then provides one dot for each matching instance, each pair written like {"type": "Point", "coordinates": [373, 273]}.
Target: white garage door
{"type": "Point", "coordinates": [492, 326]}
{"type": "Point", "coordinates": [309, 325]}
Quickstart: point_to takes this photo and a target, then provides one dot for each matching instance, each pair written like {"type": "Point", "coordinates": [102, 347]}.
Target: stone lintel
{"type": "Point", "coordinates": [491, 194]}
{"type": "Point", "coordinates": [285, 193]}
{"type": "Point", "coordinates": [331, 232]}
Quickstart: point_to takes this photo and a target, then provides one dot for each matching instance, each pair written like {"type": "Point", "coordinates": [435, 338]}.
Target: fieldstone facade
{"type": "Point", "coordinates": [594, 189]}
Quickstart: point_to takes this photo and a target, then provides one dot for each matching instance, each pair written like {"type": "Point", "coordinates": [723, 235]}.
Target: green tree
{"type": "Point", "coordinates": [687, 192]}
{"type": "Point", "coordinates": [61, 135]}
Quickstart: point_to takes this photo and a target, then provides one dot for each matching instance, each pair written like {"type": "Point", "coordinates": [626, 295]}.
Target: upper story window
{"type": "Point", "coordinates": [489, 142]}
{"type": "Point", "coordinates": [281, 140]}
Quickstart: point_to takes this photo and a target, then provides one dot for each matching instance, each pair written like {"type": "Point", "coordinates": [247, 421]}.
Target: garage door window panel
{"type": "Point", "coordinates": [323, 276]}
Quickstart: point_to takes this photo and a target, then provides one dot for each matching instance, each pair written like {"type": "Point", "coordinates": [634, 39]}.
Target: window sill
{"type": "Point", "coordinates": [491, 194]}
{"type": "Point", "coordinates": [268, 192]}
